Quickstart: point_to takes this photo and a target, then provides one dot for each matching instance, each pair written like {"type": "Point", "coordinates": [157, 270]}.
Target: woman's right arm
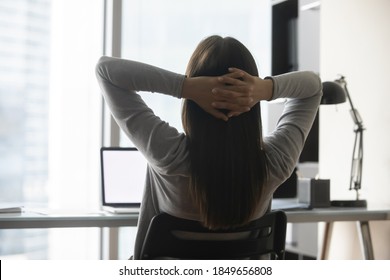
{"type": "Point", "coordinates": [302, 90]}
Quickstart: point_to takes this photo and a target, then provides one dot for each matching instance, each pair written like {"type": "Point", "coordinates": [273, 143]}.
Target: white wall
{"type": "Point", "coordinates": [355, 42]}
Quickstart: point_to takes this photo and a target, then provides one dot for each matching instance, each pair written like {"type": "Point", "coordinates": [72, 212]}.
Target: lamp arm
{"type": "Point", "coordinates": [354, 112]}
{"type": "Point", "coordinates": [357, 154]}
{"type": "Point", "coordinates": [357, 163]}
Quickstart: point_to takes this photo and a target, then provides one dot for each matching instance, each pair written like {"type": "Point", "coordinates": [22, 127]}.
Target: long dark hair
{"type": "Point", "coordinates": [228, 166]}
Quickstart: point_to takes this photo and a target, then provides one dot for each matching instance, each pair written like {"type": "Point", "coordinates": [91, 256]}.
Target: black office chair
{"type": "Point", "coordinates": [169, 237]}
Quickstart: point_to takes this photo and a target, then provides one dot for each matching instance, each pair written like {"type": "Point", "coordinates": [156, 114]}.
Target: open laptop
{"type": "Point", "coordinates": [123, 172]}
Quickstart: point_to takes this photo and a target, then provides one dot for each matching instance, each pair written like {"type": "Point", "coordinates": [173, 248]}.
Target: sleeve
{"type": "Point", "coordinates": [120, 80]}
{"type": "Point", "coordinates": [303, 92]}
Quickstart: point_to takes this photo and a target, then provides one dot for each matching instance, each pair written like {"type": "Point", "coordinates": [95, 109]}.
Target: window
{"type": "Point", "coordinates": [50, 123]}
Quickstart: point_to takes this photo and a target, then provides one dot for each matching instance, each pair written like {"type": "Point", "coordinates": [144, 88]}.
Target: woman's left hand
{"type": "Point", "coordinates": [199, 90]}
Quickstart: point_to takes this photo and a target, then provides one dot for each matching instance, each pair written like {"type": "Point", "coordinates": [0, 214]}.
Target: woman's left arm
{"type": "Point", "coordinates": [120, 80]}
{"type": "Point", "coordinates": [132, 76]}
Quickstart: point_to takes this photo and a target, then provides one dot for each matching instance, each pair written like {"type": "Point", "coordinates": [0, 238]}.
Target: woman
{"type": "Point", "coordinates": [220, 171]}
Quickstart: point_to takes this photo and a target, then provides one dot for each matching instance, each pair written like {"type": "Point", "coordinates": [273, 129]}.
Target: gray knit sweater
{"type": "Point", "coordinates": [166, 185]}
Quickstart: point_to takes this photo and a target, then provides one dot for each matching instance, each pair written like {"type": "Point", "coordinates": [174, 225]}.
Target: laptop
{"type": "Point", "coordinates": [123, 173]}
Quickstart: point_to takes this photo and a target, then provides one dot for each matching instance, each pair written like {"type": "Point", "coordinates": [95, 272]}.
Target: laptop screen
{"type": "Point", "coordinates": [123, 172]}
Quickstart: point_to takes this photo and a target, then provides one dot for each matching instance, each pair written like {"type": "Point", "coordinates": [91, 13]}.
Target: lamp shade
{"type": "Point", "coordinates": [333, 93]}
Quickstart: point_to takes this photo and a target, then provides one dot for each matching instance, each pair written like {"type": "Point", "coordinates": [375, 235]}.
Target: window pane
{"type": "Point", "coordinates": [24, 95]}
{"type": "Point", "coordinates": [24, 91]}
{"type": "Point", "coordinates": [50, 121]}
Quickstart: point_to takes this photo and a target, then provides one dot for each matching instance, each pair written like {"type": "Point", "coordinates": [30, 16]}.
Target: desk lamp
{"type": "Point", "coordinates": [334, 93]}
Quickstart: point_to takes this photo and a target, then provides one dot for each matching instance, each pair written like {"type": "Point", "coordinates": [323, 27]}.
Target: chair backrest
{"type": "Point", "coordinates": [172, 237]}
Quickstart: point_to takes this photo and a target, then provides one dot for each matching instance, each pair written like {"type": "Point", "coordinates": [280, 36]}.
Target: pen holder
{"type": "Point", "coordinates": [314, 192]}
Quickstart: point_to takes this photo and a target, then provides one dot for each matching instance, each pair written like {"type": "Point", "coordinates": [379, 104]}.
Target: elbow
{"type": "Point", "coordinates": [313, 84]}
{"type": "Point", "coordinates": [316, 83]}
{"type": "Point", "coordinates": [101, 68]}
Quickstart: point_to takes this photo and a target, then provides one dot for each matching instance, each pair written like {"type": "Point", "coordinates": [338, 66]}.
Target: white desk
{"type": "Point", "coordinates": [361, 216]}
{"type": "Point", "coordinates": [102, 220]}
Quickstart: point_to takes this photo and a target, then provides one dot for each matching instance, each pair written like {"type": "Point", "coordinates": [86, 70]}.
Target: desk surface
{"type": "Point", "coordinates": [55, 220]}
{"type": "Point", "coordinates": [101, 219]}
{"type": "Point", "coordinates": [337, 214]}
